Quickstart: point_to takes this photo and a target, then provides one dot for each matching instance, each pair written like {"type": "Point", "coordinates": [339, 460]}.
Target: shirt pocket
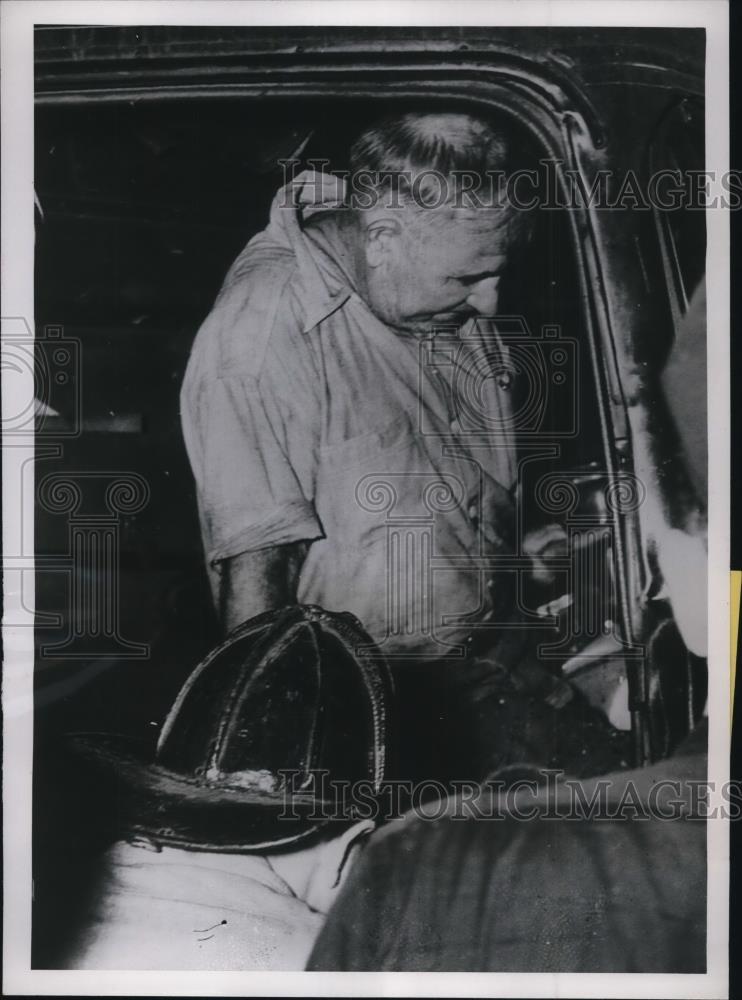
{"type": "Point", "coordinates": [378, 447]}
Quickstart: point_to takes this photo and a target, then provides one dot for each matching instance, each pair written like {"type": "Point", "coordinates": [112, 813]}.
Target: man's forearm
{"type": "Point", "coordinates": [254, 582]}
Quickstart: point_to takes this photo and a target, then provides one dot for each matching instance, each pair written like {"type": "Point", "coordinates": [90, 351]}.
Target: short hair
{"type": "Point", "coordinates": [419, 141]}
{"type": "Point", "coordinates": [456, 158]}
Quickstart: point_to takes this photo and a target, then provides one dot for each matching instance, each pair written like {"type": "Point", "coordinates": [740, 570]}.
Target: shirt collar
{"type": "Point", "coordinates": [324, 286]}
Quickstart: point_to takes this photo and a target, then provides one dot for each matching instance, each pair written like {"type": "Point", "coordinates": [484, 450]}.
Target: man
{"type": "Point", "coordinates": [606, 875]}
{"type": "Point", "coordinates": [306, 376]}
{"type": "Point", "coordinates": [325, 409]}
{"type": "Point", "coordinates": [231, 844]}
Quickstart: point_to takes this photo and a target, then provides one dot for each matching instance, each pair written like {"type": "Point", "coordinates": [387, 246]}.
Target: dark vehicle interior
{"type": "Point", "coordinates": [142, 207]}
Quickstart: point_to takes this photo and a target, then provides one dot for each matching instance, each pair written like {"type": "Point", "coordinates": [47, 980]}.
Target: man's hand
{"type": "Point", "coordinates": [541, 544]}
{"type": "Point", "coordinates": [253, 582]}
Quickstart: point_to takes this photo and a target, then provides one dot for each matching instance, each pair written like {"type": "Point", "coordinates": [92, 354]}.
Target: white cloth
{"type": "Point", "coordinates": [175, 909]}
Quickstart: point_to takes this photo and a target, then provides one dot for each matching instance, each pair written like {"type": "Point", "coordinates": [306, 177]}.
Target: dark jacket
{"type": "Point", "coordinates": [540, 895]}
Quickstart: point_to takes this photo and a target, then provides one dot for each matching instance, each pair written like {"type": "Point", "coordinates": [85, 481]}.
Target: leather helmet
{"type": "Point", "coordinates": [250, 757]}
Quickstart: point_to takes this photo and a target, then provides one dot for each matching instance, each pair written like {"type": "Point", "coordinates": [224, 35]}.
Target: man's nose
{"type": "Point", "coordinates": [483, 296]}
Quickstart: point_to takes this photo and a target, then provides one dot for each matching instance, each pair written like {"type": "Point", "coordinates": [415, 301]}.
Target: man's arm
{"type": "Point", "coordinates": [253, 582]}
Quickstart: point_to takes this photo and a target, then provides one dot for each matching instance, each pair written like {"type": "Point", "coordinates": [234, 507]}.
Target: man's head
{"type": "Point", "coordinates": [432, 232]}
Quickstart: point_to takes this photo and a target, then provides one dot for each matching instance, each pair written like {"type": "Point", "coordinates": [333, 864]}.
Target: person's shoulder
{"type": "Point", "coordinates": [408, 835]}
{"type": "Point", "coordinates": [256, 304]}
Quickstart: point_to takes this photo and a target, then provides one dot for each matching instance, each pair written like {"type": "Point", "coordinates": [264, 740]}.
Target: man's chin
{"type": "Point", "coordinates": [426, 325]}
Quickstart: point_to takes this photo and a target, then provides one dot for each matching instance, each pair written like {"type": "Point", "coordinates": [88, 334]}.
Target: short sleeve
{"type": "Point", "coordinates": [248, 425]}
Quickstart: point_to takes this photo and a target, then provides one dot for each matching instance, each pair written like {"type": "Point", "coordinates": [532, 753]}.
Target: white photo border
{"type": "Point", "coordinates": [17, 19]}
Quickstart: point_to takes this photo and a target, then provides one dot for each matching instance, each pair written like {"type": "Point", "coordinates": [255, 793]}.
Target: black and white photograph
{"type": "Point", "coordinates": [366, 530]}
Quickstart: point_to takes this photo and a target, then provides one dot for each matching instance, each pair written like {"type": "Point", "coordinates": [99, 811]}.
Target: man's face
{"type": "Point", "coordinates": [434, 267]}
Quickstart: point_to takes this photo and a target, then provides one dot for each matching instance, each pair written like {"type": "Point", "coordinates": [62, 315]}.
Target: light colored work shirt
{"type": "Point", "coordinates": [179, 910]}
{"type": "Point", "coordinates": [307, 418]}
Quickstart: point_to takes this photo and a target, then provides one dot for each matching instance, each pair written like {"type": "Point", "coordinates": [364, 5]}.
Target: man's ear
{"type": "Point", "coordinates": [380, 236]}
{"type": "Point", "coordinates": [332, 864]}
{"type": "Point", "coordinates": [352, 838]}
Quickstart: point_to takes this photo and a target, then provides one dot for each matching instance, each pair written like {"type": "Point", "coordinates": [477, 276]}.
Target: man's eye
{"type": "Point", "coordinates": [469, 280]}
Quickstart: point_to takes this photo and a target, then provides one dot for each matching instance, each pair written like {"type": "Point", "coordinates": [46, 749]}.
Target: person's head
{"type": "Point", "coordinates": [432, 233]}
{"type": "Point", "coordinates": [260, 746]}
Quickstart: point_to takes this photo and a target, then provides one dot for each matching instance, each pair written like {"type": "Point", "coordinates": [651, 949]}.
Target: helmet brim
{"type": "Point", "coordinates": [196, 814]}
